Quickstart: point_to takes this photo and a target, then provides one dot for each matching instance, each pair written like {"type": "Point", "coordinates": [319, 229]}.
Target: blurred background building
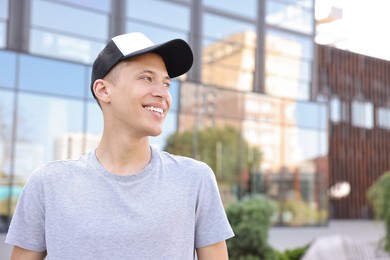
{"type": "Point", "coordinates": [269, 109]}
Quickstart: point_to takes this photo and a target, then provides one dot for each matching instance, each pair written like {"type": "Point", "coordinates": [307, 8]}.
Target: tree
{"type": "Point", "coordinates": [221, 148]}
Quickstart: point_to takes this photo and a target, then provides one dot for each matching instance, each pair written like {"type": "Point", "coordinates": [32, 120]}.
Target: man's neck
{"type": "Point", "coordinates": [123, 157]}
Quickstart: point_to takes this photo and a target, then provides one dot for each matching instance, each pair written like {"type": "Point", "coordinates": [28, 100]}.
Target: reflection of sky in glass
{"type": "Point", "coordinates": [65, 18]}
{"type": "Point", "coordinates": [311, 115]}
{"type": "Point", "coordinates": [64, 47]}
{"type": "Point", "coordinates": [247, 8]}
{"type": "Point", "coordinates": [51, 76]}
{"type": "Point", "coordinates": [6, 114]}
{"type": "Point", "coordinates": [157, 35]}
{"type": "Point", "coordinates": [3, 9]}
{"type": "Point", "coordinates": [8, 69]}
{"type": "Point", "coordinates": [102, 5]}
{"type": "Point", "coordinates": [220, 27]}
{"type": "Point", "coordinates": [94, 118]}
{"type": "Point", "coordinates": [161, 13]}
{"type": "Point", "coordinates": [3, 34]}
{"type": "Point", "coordinates": [41, 120]}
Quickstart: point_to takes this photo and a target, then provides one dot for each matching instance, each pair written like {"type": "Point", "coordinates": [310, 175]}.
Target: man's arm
{"type": "Point", "coordinates": [19, 253]}
{"type": "Point", "coordinates": [217, 251]}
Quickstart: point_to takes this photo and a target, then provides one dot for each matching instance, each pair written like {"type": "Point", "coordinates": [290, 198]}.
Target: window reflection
{"type": "Point", "coordinates": [156, 34]}
{"type": "Point", "coordinates": [362, 114]}
{"type": "Point", "coordinates": [8, 69]}
{"type": "Point", "coordinates": [46, 132]}
{"type": "Point", "coordinates": [3, 34]}
{"type": "Point", "coordinates": [64, 47]}
{"type": "Point", "coordinates": [51, 76]}
{"type": "Point", "coordinates": [215, 26]}
{"type": "Point", "coordinates": [288, 65]}
{"type": "Point", "coordinates": [290, 16]}
{"type": "Point", "coordinates": [228, 54]}
{"type": "Point", "coordinates": [101, 5]}
{"type": "Point", "coordinates": [6, 125]}
{"type": "Point", "coordinates": [3, 10]}
{"type": "Point", "coordinates": [247, 8]}
{"type": "Point", "coordinates": [163, 14]}
{"type": "Point", "coordinates": [63, 18]}
{"type": "Point", "coordinates": [310, 115]}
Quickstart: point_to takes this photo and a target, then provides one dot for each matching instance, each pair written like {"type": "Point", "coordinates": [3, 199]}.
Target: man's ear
{"type": "Point", "coordinates": [101, 88]}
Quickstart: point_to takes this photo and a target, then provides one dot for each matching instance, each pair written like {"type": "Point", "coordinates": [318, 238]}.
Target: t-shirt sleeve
{"type": "Point", "coordinates": [212, 225]}
{"type": "Point", "coordinates": [27, 228]}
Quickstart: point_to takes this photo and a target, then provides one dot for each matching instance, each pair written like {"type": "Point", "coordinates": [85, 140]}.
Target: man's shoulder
{"type": "Point", "coordinates": [181, 159]}
{"type": "Point", "coordinates": [61, 166]}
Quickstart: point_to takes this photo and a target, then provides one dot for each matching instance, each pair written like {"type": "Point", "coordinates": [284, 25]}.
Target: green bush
{"type": "Point", "coordinates": [379, 197]}
{"type": "Point", "coordinates": [296, 253]}
{"type": "Point", "coordinates": [250, 219]}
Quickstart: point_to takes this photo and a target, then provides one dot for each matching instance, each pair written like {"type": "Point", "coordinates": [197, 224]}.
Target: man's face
{"type": "Point", "coordinates": [140, 97]}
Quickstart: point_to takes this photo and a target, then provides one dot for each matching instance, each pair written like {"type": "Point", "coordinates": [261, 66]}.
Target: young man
{"type": "Point", "coordinates": [126, 199]}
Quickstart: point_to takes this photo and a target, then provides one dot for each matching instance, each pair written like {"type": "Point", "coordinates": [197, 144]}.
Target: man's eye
{"type": "Point", "coordinates": [167, 84]}
{"type": "Point", "coordinates": [147, 78]}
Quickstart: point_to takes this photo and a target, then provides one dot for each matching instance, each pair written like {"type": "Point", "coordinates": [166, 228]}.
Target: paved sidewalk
{"type": "Point", "coordinates": [365, 231]}
{"type": "Point", "coordinates": [282, 238]}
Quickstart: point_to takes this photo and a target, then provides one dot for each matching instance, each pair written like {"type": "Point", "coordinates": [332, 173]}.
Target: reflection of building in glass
{"type": "Point", "coordinates": [73, 145]}
{"type": "Point", "coordinates": [261, 117]}
{"type": "Point", "coordinates": [229, 62]}
{"type": "Point", "coordinates": [30, 156]}
{"type": "Point", "coordinates": [252, 71]}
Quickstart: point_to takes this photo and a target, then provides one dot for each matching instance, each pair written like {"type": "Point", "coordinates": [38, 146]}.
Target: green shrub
{"type": "Point", "coordinates": [296, 253]}
{"type": "Point", "coordinates": [379, 197]}
{"type": "Point", "coordinates": [250, 219]}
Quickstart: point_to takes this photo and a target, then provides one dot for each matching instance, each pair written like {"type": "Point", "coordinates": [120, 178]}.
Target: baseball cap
{"type": "Point", "coordinates": [176, 53]}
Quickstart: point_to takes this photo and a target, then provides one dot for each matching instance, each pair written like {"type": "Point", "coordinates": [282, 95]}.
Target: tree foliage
{"type": "Point", "coordinates": [221, 148]}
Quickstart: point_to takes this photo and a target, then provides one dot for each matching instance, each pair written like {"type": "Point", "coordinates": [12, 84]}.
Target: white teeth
{"type": "Point", "coordinates": [155, 109]}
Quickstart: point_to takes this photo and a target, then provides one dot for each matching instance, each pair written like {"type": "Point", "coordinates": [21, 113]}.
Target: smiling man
{"type": "Point", "coordinates": [125, 199]}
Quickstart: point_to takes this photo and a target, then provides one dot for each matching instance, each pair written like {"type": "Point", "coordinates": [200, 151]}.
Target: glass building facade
{"type": "Point", "coordinates": [250, 86]}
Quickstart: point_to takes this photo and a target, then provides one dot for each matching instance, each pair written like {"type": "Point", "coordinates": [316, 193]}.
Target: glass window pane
{"type": "Point", "coordinates": [67, 19]}
{"type": "Point", "coordinates": [285, 88]}
{"type": "Point", "coordinates": [165, 14]}
{"type": "Point", "coordinates": [94, 119]}
{"type": "Point", "coordinates": [3, 34]}
{"type": "Point", "coordinates": [283, 67]}
{"type": "Point", "coordinates": [64, 47]}
{"type": "Point", "coordinates": [262, 108]}
{"type": "Point", "coordinates": [50, 76]}
{"type": "Point", "coordinates": [8, 69]}
{"type": "Point", "coordinates": [247, 8]}
{"type": "Point", "coordinates": [157, 35]}
{"type": "Point", "coordinates": [101, 5]}
{"type": "Point", "coordinates": [308, 114]}
{"type": "Point", "coordinates": [216, 26]}
{"type": "Point", "coordinates": [228, 54]}
{"type": "Point", "coordinates": [362, 114]}
{"type": "Point", "coordinates": [383, 117]}
{"type": "Point", "coordinates": [289, 45]}
{"type": "Point", "coordinates": [49, 131]}
{"type": "Point", "coordinates": [3, 9]}
{"type": "Point", "coordinates": [290, 16]}
{"type": "Point", "coordinates": [6, 127]}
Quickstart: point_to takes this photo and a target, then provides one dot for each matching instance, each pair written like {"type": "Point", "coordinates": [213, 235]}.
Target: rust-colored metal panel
{"type": "Point", "coordinates": [359, 143]}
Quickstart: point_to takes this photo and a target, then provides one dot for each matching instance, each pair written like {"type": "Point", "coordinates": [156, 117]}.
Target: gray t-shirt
{"type": "Point", "coordinates": [75, 209]}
